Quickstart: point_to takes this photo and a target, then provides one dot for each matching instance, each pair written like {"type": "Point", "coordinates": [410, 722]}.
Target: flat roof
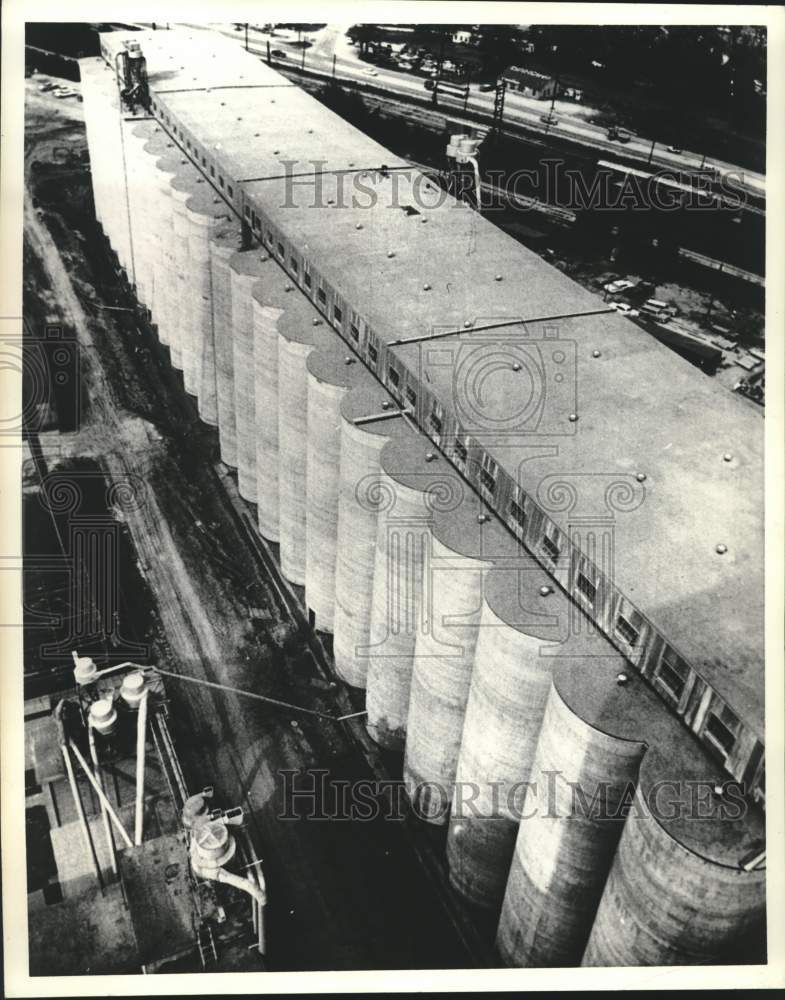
{"type": "Point", "coordinates": [417, 265]}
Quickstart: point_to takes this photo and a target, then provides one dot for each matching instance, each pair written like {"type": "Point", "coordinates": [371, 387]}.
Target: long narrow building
{"type": "Point", "coordinates": [533, 532]}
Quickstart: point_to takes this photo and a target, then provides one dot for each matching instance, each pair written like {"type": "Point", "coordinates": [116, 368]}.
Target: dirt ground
{"type": "Point", "coordinates": [343, 895]}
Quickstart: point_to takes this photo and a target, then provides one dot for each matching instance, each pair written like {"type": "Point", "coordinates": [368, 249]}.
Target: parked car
{"type": "Point", "coordinates": [278, 53]}
{"type": "Point", "coordinates": [624, 308]}
{"type": "Point", "coordinates": [619, 134]}
{"type": "Point", "coordinates": [549, 119]}
{"type": "Point", "coordinates": [485, 87]}
{"type": "Point", "coordinates": [618, 286]}
{"type": "Point", "coordinates": [675, 149]}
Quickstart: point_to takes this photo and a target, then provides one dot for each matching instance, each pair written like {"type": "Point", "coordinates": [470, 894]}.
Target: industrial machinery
{"type": "Point", "coordinates": [131, 72]}
{"type": "Point", "coordinates": [165, 879]}
{"type": "Point", "coordinates": [462, 150]}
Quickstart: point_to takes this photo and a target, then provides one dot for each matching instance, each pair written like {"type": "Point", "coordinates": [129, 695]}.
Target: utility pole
{"type": "Point", "coordinates": [333, 65]}
{"type": "Point", "coordinates": [302, 64]}
{"type": "Point", "coordinates": [434, 97]}
{"type": "Point", "coordinates": [269, 57]}
{"type": "Point", "coordinates": [651, 151]}
{"type": "Point", "coordinates": [498, 107]}
{"type": "Point", "coordinates": [246, 36]}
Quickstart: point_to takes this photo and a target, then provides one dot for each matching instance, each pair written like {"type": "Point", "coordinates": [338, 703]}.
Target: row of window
{"type": "Point", "coordinates": [672, 673]}
{"type": "Point", "coordinates": [193, 151]}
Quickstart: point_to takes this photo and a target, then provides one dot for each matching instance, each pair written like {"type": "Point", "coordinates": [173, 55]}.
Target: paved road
{"type": "Point", "coordinates": [331, 42]}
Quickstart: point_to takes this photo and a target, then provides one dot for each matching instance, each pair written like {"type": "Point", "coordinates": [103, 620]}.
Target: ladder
{"type": "Point", "coordinates": [205, 942]}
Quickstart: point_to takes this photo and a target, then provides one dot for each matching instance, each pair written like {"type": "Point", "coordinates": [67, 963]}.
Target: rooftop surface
{"type": "Point", "coordinates": [413, 263]}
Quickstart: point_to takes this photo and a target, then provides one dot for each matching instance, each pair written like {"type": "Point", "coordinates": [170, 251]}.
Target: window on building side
{"type": "Point", "coordinates": [436, 423]}
{"type": "Point", "coordinates": [672, 672]}
{"type": "Point", "coordinates": [355, 333]}
{"type": "Point", "coordinates": [411, 395]}
{"type": "Point", "coordinates": [550, 548]}
{"type": "Point", "coordinates": [321, 295]}
{"type": "Point", "coordinates": [231, 192]}
{"type": "Point", "coordinates": [627, 631]}
{"type": "Point", "coordinates": [461, 451]}
{"type": "Point", "coordinates": [586, 587]}
{"type": "Point", "coordinates": [307, 279]}
{"type": "Point", "coordinates": [373, 354]}
{"type": "Point", "coordinates": [395, 378]}
{"type": "Point", "coordinates": [719, 733]}
{"type": "Point", "coordinates": [293, 264]}
{"type": "Point", "coordinates": [487, 480]}
{"type": "Point", "coordinates": [518, 514]}
{"type": "Point", "coordinates": [337, 314]}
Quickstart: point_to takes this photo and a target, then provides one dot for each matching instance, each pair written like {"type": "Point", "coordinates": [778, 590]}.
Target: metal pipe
{"type": "Point", "coordinates": [258, 874]}
{"type": "Point", "coordinates": [91, 778]}
{"type": "Point", "coordinates": [104, 815]}
{"type": "Point", "coordinates": [80, 812]}
{"type": "Point", "coordinates": [257, 892]}
{"type": "Point", "coordinates": [141, 740]}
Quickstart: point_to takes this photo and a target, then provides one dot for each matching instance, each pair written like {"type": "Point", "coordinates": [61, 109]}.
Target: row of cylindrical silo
{"type": "Point", "coordinates": [520, 729]}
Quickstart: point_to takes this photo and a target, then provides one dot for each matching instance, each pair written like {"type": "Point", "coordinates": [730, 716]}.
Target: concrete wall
{"type": "Point", "coordinates": [506, 704]}
{"type": "Point", "coordinates": [360, 498]}
{"type": "Point", "coordinates": [245, 268]}
{"type": "Point", "coordinates": [223, 244]}
{"type": "Point", "coordinates": [666, 904]}
{"type": "Point", "coordinates": [365, 512]}
{"type": "Point", "coordinates": [444, 651]}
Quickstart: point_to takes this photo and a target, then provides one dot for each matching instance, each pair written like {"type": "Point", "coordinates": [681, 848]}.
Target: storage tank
{"type": "Point", "coordinates": [564, 848]}
{"type": "Point", "coordinates": [296, 340]}
{"type": "Point", "coordinates": [678, 892]}
{"type": "Point", "coordinates": [166, 162]}
{"type": "Point", "coordinates": [332, 373]}
{"type": "Point", "coordinates": [245, 268]}
{"type": "Point", "coordinates": [360, 497]}
{"type": "Point", "coordinates": [415, 480]}
{"type": "Point", "coordinates": [224, 242]}
{"type": "Point", "coordinates": [205, 211]}
{"type": "Point", "coordinates": [273, 293]}
{"type": "Point", "coordinates": [143, 223]}
{"type": "Point", "coordinates": [464, 538]}
{"type": "Point", "coordinates": [184, 349]}
{"type": "Point", "coordinates": [522, 618]}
